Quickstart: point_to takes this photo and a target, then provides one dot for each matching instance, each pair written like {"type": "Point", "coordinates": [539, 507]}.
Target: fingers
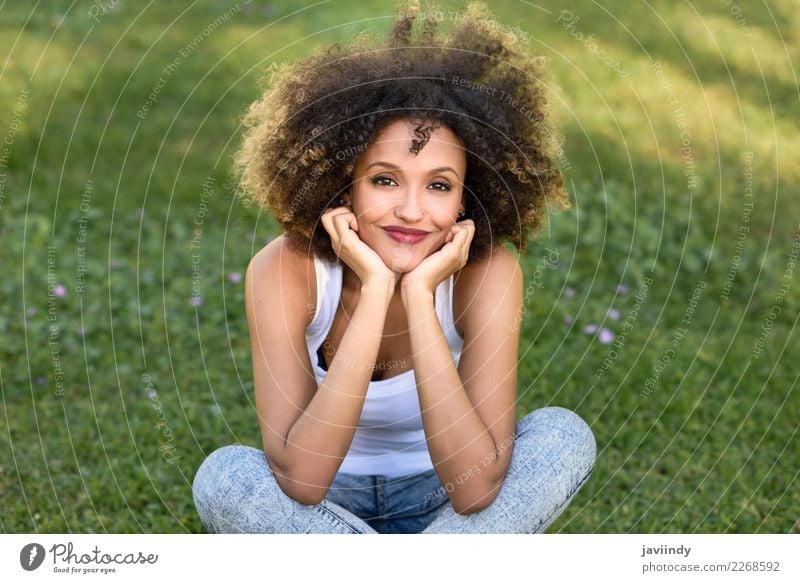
{"type": "Point", "coordinates": [342, 222]}
{"type": "Point", "coordinates": [461, 236]}
{"type": "Point", "coordinates": [330, 221]}
{"type": "Point", "coordinates": [465, 228]}
{"type": "Point", "coordinates": [333, 212]}
{"type": "Point", "coordinates": [329, 216]}
{"type": "Point", "coordinates": [338, 222]}
{"type": "Point", "coordinates": [468, 224]}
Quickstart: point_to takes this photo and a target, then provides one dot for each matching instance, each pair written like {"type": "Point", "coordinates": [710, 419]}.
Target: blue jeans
{"type": "Point", "coordinates": [554, 453]}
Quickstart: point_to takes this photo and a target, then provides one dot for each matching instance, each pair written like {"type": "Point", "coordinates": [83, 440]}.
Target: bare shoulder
{"type": "Point", "coordinates": [480, 285]}
{"type": "Point", "coordinates": [280, 262]}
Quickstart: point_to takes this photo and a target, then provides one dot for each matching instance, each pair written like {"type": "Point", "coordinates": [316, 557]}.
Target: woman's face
{"type": "Point", "coordinates": [393, 187]}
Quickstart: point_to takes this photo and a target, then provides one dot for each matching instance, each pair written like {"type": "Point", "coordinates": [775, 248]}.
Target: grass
{"type": "Point", "coordinates": [151, 384]}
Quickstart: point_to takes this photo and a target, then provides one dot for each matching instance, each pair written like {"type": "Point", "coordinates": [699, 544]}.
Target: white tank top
{"type": "Point", "coordinates": [389, 438]}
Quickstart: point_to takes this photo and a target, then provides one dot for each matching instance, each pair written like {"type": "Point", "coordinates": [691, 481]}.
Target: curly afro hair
{"type": "Point", "coordinates": [303, 137]}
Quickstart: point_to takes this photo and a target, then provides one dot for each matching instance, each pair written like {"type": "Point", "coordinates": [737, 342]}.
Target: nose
{"type": "Point", "coordinates": [409, 208]}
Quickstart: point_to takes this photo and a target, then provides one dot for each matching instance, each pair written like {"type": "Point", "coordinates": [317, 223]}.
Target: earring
{"type": "Point", "coordinates": [461, 213]}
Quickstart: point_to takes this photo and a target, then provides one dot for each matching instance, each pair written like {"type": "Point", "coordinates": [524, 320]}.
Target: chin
{"type": "Point", "coordinates": [401, 266]}
{"type": "Point", "coordinates": [401, 259]}
{"type": "Point", "coordinates": [404, 268]}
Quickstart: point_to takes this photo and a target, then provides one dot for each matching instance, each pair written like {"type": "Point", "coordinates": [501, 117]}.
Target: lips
{"type": "Point", "coordinates": [405, 238]}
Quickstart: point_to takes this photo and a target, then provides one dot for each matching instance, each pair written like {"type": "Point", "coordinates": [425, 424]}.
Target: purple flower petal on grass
{"type": "Point", "coordinates": [569, 292]}
{"type": "Point", "coordinates": [31, 311]}
{"type": "Point", "coordinates": [606, 336]}
{"type": "Point", "coordinates": [613, 314]}
{"type": "Point", "coordinates": [40, 380]}
{"type": "Point", "coordinates": [235, 277]}
{"type": "Point", "coordinates": [590, 328]}
{"type": "Point", "coordinates": [59, 291]}
{"type": "Point", "coordinates": [568, 320]}
{"type": "Point", "coordinates": [622, 288]}
{"type": "Point", "coordinates": [196, 301]}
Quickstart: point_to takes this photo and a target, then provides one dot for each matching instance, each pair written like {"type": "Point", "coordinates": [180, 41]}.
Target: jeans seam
{"type": "Point", "coordinates": [418, 513]}
{"type": "Point", "coordinates": [380, 496]}
{"type": "Point", "coordinates": [570, 495]}
{"type": "Point", "coordinates": [336, 518]}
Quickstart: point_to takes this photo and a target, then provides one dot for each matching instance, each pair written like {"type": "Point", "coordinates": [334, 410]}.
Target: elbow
{"type": "Point", "coordinates": [465, 511]}
{"type": "Point", "coordinates": [478, 501]}
{"type": "Point", "coordinates": [307, 496]}
{"type": "Point", "coordinates": [472, 508]}
{"type": "Point", "coordinates": [299, 489]}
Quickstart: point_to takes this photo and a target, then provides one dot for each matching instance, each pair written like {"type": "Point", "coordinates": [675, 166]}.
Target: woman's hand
{"type": "Point", "coordinates": [342, 226]}
{"type": "Point", "coordinates": [438, 266]}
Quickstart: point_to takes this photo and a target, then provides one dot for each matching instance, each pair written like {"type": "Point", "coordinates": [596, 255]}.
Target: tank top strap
{"type": "Point", "coordinates": [444, 310]}
{"type": "Point", "coordinates": [329, 287]}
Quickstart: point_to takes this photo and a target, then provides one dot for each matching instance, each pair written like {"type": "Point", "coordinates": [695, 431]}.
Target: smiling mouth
{"type": "Point", "coordinates": [405, 238]}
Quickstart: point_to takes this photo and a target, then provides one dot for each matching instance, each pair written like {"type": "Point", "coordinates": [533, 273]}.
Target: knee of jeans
{"type": "Point", "coordinates": [214, 474]}
{"type": "Point", "coordinates": [569, 424]}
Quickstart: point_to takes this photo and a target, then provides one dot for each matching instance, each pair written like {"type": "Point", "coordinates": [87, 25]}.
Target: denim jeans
{"type": "Point", "coordinates": [554, 453]}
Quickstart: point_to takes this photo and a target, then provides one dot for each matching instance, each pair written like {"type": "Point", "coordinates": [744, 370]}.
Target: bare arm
{"type": "Point", "coordinates": [469, 424]}
{"type": "Point", "coordinates": [307, 430]}
{"type": "Point", "coordinates": [320, 437]}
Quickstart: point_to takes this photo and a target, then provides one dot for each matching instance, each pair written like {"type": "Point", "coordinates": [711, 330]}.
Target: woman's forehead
{"type": "Point", "coordinates": [443, 148]}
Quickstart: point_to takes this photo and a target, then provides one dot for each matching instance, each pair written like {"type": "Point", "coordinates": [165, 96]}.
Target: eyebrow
{"type": "Point", "coordinates": [438, 170]}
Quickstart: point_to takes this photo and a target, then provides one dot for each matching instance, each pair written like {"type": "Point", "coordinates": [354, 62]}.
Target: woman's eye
{"type": "Point", "coordinates": [382, 181]}
{"type": "Point", "coordinates": [386, 181]}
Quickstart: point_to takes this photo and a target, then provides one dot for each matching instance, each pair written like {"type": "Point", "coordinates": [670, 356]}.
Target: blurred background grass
{"type": "Point", "coordinates": [113, 394]}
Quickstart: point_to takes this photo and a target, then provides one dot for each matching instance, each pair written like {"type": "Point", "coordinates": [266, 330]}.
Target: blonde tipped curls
{"type": "Point", "coordinates": [317, 115]}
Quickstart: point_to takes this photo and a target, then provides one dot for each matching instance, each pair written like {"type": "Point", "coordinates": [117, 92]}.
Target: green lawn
{"type": "Point", "coordinates": [681, 154]}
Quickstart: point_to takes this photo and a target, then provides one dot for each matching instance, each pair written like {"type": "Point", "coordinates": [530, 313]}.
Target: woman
{"type": "Point", "coordinates": [383, 319]}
